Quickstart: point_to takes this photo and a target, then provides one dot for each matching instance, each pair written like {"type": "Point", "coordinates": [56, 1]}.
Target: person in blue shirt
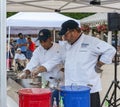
{"type": "Point", "coordinates": [22, 43]}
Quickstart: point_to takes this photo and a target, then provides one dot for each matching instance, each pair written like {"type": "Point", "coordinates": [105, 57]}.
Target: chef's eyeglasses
{"type": "Point", "coordinates": [41, 41]}
{"type": "Point", "coordinates": [69, 31]}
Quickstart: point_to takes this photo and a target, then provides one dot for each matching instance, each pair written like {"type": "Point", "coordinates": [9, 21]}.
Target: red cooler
{"type": "Point", "coordinates": [34, 97]}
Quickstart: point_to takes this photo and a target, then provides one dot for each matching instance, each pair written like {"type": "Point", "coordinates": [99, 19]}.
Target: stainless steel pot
{"type": "Point", "coordinates": [30, 83]}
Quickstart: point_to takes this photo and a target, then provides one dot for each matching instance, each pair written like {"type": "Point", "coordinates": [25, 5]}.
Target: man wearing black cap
{"type": "Point", "coordinates": [82, 66]}
{"type": "Point", "coordinates": [41, 61]}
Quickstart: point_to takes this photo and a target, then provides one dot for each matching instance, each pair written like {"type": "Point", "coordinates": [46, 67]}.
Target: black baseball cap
{"type": "Point", "coordinates": [44, 34]}
{"type": "Point", "coordinates": [68, 25]}
{"type": "Point", "coordinates": [20, 34]}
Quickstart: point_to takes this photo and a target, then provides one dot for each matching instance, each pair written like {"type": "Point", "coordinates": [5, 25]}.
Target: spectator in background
{"type": "Point", "coordinates": [30, 47]}
{"type": "Point", "coordinates": [22, 43]}
{"type": "Point", "coordinates": [12, 46]}
{"type": "Point", "coordinates": [20, 58]}
{"type": "Point", "coordinates": [85, 28]}
{"type": "Point", "coordinates": [9, 57]}
{"type": "Point", "coordinates": [96, 34]}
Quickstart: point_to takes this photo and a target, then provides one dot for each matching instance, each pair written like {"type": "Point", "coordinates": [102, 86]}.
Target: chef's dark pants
{"type": "Point", "coordinates": [55, 94]}
{"type": "Point", "coordinates": [95, 99]}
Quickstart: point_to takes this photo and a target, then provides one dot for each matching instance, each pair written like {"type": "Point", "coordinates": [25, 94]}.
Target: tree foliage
{"type": "Point", "coordinates": [77, 15]}
{"type": "Point", "coordinates": [10, 13]}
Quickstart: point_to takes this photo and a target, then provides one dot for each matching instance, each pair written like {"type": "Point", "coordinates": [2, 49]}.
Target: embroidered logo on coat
{"type": "Point", "coordinates": [84, 45]}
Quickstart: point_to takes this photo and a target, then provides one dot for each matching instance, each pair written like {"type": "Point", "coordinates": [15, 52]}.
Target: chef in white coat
{"type": "Point", "coordinates": [43, 61]}
{"type": "Point", "coordinates": [43, 57]}
{"type": "Point", "coordinates": [84, 57]}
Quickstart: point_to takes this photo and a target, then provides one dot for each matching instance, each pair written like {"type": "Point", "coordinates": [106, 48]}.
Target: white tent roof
{"type": "Point", "coordinates": [33, 21]}
{"type": "Point", "coordinates": [63, 5]}
{"type": "Point", "coordinates": [97, 18]}
{"type": "Point", "coordinates": [37, 19]}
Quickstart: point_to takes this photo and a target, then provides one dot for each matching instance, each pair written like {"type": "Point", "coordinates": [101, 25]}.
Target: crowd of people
{"type": "Point", "coordinates": [19, 52]}
{"type": "Point", "coordinates": [76, 60]}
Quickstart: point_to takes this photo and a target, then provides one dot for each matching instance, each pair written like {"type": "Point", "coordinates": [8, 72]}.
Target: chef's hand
{"type": "Point", "coordinates": [24, 74]}
{"type": "Point", "coordinates": [98, 67]}
{"type": "Point", "coordinates": [37, 70]}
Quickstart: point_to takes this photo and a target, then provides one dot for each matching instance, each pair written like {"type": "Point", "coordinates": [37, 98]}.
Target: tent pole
{"type": "Point", "coordinates": [9, 32]}
{"type": "Point", "coordinates": [3, 94]}
{"type": "Point", "coordinates": [8, 41]}
{"type": "Point", "coordinates": [109, 39]}
{"type": "Point", "coordinates": [54, 35]}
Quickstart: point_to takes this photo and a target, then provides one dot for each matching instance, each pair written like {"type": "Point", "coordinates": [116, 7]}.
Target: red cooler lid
{"type": "Point", "coordinates": [34, 91]}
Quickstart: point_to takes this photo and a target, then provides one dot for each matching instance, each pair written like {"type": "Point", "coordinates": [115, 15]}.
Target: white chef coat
{"type": "Point", "coordinates": [48, 58]}
{"type": "Point", "coordinates": [81, 59]}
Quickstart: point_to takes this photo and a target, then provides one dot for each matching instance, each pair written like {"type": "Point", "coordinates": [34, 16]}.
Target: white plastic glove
{"type": "Point", "coordinates": [22, 76]}
{"type": "Point", "coordinates": [37, 70]}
